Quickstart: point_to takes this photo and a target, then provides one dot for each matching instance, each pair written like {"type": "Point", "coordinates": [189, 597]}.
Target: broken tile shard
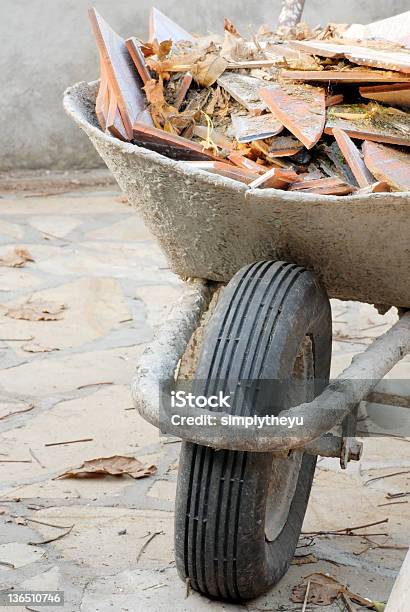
{"type": "Point", "coordinates": [183, 90]}
{"type": "Point", "coordinates": [256, 127]}
{"type": "Point", "coordinates": [301, 109]}
{"type": "Point", "coordinates": [122, 77]}
{"type": "Point", "coordinates": [102, 101]}
{"type": "Point", "coordinates": [176, 147]}
{"type": "Point", "coordinates": [353, 157]}
{"type": "Point", "coordinates": [388, 164]}
{"type": "Point", "coordinates": [324, 186]}
{"type": "Point", "coordinates": [134, 49]}
{"type": "Point", "coordinates": [244, 162]}
{"type": "Point", "coordinates": [244, 89]}
{"type": "Point", "coordinates": [370, 122]}
{"type": "Point", "coordinates": [163, 28]}
{"type": "Point", "coordinates": [285, 146]}
{"type": "Point", "coordinates": [114, 123]}
{"type": "Point", "coordinates": [396, 94]}
{"type": "Point", "coordinates": [224, 169]}
{"type": "Point", "coordinates": [345, 76]}
{"type": "Point", "coordinates": [275, 178]}
{"type": "Point", "coordinates": [364, 56]}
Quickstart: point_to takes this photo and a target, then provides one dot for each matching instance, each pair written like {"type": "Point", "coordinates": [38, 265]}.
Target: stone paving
{"type": "Point", "coordinates": [93, 254]}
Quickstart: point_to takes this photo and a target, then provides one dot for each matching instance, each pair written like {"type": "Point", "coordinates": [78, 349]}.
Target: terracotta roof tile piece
{"type": "Point", "coordinates": [324, 186]}
{"type": "Point", "coordinates": [121, 74]}
{"type": "Point", "coordinates": [388, 164]}
{"type": "Point", "coordinates": [346, 76]}
{"type": "Point", "coordinates": [364, 56]}
{"type": "Point", "coordinates": [163, 28]}
{"type": "Point", "coordinates": [389, 125]}
{"type": "Point", "coordinates": [176, 147]}
{"type": "Point", "coordinates": [397, 94]}
{"type": "Point", "coordinates": [102, 101]}
{"type": "Point", "coordinates": [250, 128]}
{"type": "Point", "coordinates": [114, 124]}
{"type": "Point", "coordinates": [353, 157]}
{"type": "Point", "coordinates": [138, 58]}
{"type": "Point", "coordinates": [244, 89]}
{"type": "Point", "coordinates": [301, 109]}
{"type": "Point", "coordinates": [225, 169]}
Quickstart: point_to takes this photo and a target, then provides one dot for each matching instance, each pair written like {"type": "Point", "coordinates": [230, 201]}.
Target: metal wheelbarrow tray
{"type": "Point", "coordinates": [242, 492]}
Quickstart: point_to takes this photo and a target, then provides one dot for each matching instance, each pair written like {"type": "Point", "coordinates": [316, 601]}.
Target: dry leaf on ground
{"type": "Point", "coordinates": [37, 310]}
{"type": "Point", "coordinates": [324, 590]}
{"type": "Point", "coordinates": [16, 258]}
{"type": "Point", "coordinates": [111, 466]}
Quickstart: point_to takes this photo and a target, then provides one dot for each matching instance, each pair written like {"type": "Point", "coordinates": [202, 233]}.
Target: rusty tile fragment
{"type": "Point", "coordinates": [366, 56]}
{"type": "Point", "coordinates": [284, 146]}
{"type": "Point", "coordinates": [171, 145]}
{"type": "Point", "coordinates": [388, 164]}
{"type": "Point", "coordinates": [224, 169]}
{"type": "Point", "coordinates": [301, 109]}
{"type": "Point", "coordinates": [102, 101]}
{"type": "Point", "coordinates": [183, 90]}
{"type": "Point", "coordinates": [275, 178]}
{"type": "Point", "coordinates": [377, 187]}
{"type": "Point", "coordinates": [138, 58]}
{"type": "Point", "coordinates": [324, 186]}
{"type": "Point", "coordinates": [379, 124]}
{"type": "Point", "coordinates": [333, 100]}
{"type": "Point", "coordinates": [244, 89]}
{"type": "Point", "coordinates": [163, 28]}
{"type": "Point", "coordinates": [353, 157]}
{"type": "Point", "coordinates": [243, 162]}
{"type": "Point", "coordinates": [397, 94]}
{"type": "Point", "coordinates": [255, 127]}
{"type": "Point", "coordinates": [346, 76]}
{"type": "Point", "coordinates": [122, 77]}
{"type": "Point", "coordinates": [115, 125]}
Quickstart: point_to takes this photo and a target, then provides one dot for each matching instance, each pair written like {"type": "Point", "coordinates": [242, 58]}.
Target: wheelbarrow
{"type": "Point", "coordinates": [260, 266]}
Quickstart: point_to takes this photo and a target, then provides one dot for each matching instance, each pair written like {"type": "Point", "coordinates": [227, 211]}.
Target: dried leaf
{"type": "Point", "coordinates": [207, 71]}
{"type": "Point", "coordinates": [304, 560]}
{"type": "Point", "coordinates": [38, 310]}
{"type": "Point", "coordinates": [154, 90]}
{"type": "Point", "coordinates": [324, 590]}
{"type": "Point", "coordinates": [111, 466]}
{"type": "Point", "coordinates": [16, 258]}
{"type": "Point", "coordinates": [229, 27]}
{"type": "Point", "coordinates": [161, 50]}
{"type": "Point", "coordinates": [232, 47]}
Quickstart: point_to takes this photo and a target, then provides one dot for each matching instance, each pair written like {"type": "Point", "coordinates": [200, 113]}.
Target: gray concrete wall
{"type": "Point", "coordinates": [47, 45]}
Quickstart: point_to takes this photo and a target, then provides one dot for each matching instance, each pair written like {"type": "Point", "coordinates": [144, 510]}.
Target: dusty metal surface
{"type": "Point", "coordinates": [211, 226]}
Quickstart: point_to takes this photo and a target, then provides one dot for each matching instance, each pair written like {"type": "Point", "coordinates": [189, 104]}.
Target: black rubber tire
{"type": "Point", "coordinates": [259, 323]}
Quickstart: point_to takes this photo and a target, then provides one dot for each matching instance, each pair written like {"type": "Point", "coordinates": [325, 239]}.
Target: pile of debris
{"type": "Point", "coordinates": [266, 110]}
